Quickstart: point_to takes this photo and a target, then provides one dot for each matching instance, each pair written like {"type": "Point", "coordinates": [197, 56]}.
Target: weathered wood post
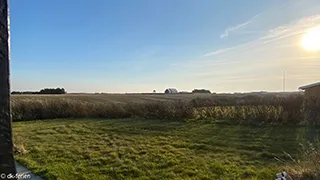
{"type": "Point", "coordinates": [7, 163]}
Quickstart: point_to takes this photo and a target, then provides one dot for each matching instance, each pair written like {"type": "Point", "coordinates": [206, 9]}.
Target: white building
{"type": "Point", "coordinates": [171, 91]}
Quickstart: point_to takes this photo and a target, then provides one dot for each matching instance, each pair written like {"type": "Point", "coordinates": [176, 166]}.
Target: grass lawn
{"type": "Point", "coordinates": [154, 149]}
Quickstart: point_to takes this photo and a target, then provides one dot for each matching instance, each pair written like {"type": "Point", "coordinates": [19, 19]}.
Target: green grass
{"type": "Point", "coordinates": [155, 149]}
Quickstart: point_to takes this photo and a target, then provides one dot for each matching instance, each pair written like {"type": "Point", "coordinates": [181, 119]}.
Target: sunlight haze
{"type": "Point", "coordinates": [311, 40]}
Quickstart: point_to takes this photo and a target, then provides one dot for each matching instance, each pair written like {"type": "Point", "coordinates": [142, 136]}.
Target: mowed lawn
{"type": "Point", "coordinates": [154, 149]}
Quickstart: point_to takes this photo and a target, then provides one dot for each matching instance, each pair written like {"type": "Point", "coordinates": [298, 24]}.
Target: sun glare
{"type": "Point", "coordinates": [311, 39]}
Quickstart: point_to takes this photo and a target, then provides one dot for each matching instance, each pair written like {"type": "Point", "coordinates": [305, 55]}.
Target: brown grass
{"type": "Point", "coordinates": [247, 109]}
{"type": "Point", "coordinates": [307, 167]}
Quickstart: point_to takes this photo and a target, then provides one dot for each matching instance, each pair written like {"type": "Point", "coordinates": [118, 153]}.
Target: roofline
{"type": "Point", "coordinates": [309, 86]}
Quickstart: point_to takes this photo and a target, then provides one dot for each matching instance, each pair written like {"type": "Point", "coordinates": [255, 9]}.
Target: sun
{"type": "Point", "coordinates": [311, 39]}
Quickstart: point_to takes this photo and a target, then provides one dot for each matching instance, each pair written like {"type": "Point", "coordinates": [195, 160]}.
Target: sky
{"type": "Point", "coordinates": [144, 45]}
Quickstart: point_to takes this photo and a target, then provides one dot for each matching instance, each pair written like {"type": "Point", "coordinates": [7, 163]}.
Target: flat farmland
{"type": "Point", "coordinates": [111, 98]}
{"type": "Point", "coordinates": [163, 136]}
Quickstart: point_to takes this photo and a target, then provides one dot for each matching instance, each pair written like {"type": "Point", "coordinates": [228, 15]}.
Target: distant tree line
{"type": "Point", "coordinates": [43, 91]}
{"type": "Point", "coordinates": [24, 92]}
{"type": "Point", "coordinates": [201, 91]}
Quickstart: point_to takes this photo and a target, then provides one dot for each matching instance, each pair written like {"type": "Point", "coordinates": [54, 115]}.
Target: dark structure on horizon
{"type": "Point", "coordinates": [311, 90]}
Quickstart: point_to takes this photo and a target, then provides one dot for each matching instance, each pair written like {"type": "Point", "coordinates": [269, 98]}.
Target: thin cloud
{"type": "Point", "coordinates": [234, 28]}
{"type": "Point", "coordinates": [221, 51]}
{"type": "Point", "coordinates": [291, 29]}
{"type": "Point", "coordinates": [268, 11]}
{"type": "Point", "coordinates": [276, 34]}
{"type": "Point", "coordinates": [218, 51]}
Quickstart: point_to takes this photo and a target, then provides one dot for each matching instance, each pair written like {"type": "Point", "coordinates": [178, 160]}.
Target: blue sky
{"type": "Point", "coordinates": [141, 45]}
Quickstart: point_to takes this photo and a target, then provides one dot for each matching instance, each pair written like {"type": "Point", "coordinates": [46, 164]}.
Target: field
{"type": "Point", "coordinates": [111, 98]}
{"type": "Point", "coordinates": [155, 149]}
{"type": "Point", "coordinates": [183, 136]}
{"type": "Point", "coordinates": [270, 108]}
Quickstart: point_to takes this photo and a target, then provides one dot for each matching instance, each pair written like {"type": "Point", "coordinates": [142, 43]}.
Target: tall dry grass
{"type": "Point", "coordinates": [248, 109]}
{"type": "Point", "coordinates": [307, 167]}
{"type": "Point", "coordinates": [66, 108]}
{"type": "Point", "coordinates": [268, 109]}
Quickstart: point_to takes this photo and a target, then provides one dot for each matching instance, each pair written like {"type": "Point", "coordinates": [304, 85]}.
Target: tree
{"type": "Point", "coordinates": [200, 91]}
{"type": "Point", "coordinates": [7, 163]}
{"type": "Point", "coordinates": [53, 91]}
{"type": "Point", "coordinates": [43, 91]}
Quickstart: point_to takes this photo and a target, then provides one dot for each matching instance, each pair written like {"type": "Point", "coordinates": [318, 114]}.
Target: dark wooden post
{"type": "Point", "coordinates": [7, 163]}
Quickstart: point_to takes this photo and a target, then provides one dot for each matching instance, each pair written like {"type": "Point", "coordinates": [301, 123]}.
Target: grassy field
{"type": "Point", "coordinates": [111, 98]}
{"type": "Point", "coordinates": [136, 148]}
{"type": "Point", "coordinates": [267, 109]}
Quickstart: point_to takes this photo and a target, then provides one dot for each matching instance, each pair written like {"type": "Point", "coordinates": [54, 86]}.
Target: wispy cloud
{"type": "Point", "coordinates": [239, 26]}
{"type": "Point", "coordinates": [280, 6]}
{"type": "Point", "coordinates": [219, 51]}
{"type": "Point", "coordinates": [225, 50]}
{"type": "Point", "coordinates": [276, 34]}
{"type": "Point", "coordinates": [291, 29]}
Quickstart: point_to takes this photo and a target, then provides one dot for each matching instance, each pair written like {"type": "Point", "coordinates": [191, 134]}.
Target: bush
{"type": "Point", "coordinates": [201, 91]}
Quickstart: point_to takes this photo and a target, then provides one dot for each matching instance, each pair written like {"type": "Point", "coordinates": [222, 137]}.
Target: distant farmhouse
{"type": "Point", "coordinates": [311, 90]}
{"type": "Point", "coordinates": [171, 91]}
